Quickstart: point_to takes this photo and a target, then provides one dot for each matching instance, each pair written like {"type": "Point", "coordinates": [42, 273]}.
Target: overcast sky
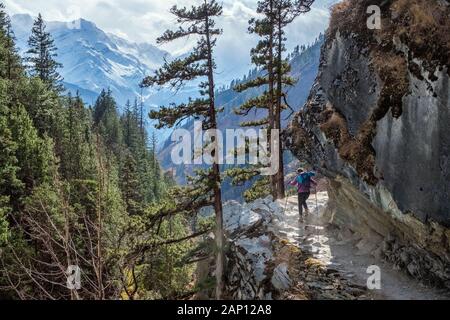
{"type": "Point", "coordinates": [145, 20]}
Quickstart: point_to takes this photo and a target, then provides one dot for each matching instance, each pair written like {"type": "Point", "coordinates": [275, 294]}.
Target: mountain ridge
{"type": "Point", "coordinates": [93, 59]}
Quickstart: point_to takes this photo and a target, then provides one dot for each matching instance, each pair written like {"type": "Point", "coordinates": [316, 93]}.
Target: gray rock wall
{"type": "Point", "coordinates": [413, 150]}
{"type": "Point", "coordinates": [394, 158]}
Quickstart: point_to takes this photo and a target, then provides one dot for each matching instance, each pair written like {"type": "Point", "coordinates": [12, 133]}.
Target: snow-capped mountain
{"type": "Point", "coordinates": [93, 59]}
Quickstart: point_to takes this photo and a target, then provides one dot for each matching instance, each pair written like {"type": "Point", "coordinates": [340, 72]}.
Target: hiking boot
{"type": "Point", "coordinates": [307, 212]}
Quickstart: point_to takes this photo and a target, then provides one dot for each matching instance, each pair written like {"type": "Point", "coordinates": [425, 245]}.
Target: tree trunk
{"type": "Point", "coordinates": [220, 258]}
{"type": "Point", "coordinates": [219, 236]}
{"type": "Point", "coordinates": [270, 71]}
{"type": "Point", "coordinates": [280, 194]}
{"type": "Point", "coordinates": [99, 266]}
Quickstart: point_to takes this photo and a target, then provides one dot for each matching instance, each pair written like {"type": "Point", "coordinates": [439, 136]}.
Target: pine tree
{"type": "Point", "coordinates": [130, 186]}
{"type": "Point", "coordinates": [107, 121]}
{"type": "Point", "coordinates": [8, 164]}
{"type": "Point", "coordinates": [34, 154]}
{"type": "Point", "coordinates": [10, 62]}
{"type": "Point", "coordinates": [155, 166]}
{"type": "Point", "coordinates": [127, 124]}
{"type": "Point", "coordinates": [268, 57]}
{"type": "Point", "coordinates": [205, 188]}
{"type": "Point", "coordinates": [141, 117]}
{"type": "Point", "coordinates": [100, 107]}
{"type": "Point", "coordinates": [42, 105]}
{"type": "Point", "coordinates": [41, 56]}
{"type": "Point", "coordinates": [76, 162]}
{"type": "Point", "coordinates": [285, 13]}
{"type": "Point", "coordinates": [263, 58]}
{"type": "Point", "coordinates": [4, 19]}
{"type": "Point", "coordinates": [153, 151]}
{"type": "Point", "coordinates": [137, 134]}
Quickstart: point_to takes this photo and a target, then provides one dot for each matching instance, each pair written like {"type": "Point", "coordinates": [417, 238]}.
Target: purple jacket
{"type": "Point", "coordinates": [303, 182]}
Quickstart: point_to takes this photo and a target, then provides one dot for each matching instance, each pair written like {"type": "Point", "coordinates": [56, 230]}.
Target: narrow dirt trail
{"type": "Point", "coordinates": [343, 253]}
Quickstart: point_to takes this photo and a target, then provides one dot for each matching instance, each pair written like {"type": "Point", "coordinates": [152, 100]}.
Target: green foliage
{"type": "Point", "coordinates": [260, 189]}
{"type": "Point", "coordinates": [41, 104]}
{"type": "Point", "coordinates": [8, 163]}
{"type": "Point", "coordinates": [107, 121]}
{"type": "Point", "coordinates": [10, 67]}
{"type": "Point", "coordinates": [33, 153]}
{"type": "Point", "coordinates": [4, 225]}
{"type": "Point", "coordinates": [79, 186]}
{"type": "Point", "coordinates": [131, 127]}
{"type": "Point", "coordinates": [41, 56]}
{"type": "Point", "coordinates": [130, 186]}
{"type": "Point", "coordinates": [167, 276]}
{"type": "Point", "coordinates": [76, 141]}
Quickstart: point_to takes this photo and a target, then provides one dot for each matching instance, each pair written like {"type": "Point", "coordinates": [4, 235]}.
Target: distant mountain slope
{"type": "Point", "coordinates": [88, 96]}
{"type": "Point", "coordinates": [94, 60]}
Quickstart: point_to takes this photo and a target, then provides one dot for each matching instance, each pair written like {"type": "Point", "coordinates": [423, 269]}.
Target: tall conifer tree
{"type": "Point", "coordinates": [273, 77]}
{"type": "Point", "coordinates": [10, 62]}
{"type": "Point", "coordinates": [205, 188]}
{"type": "Point", "coordinates": [41, 56]}
{"type": "Point", "coordinates": [263, 58]}
{"type": "Point", "coordinates": [285, 13]}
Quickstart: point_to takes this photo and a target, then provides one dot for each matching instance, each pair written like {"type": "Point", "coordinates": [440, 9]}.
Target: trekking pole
{"type": "Point", "coordinates": [285, 204]}
{"type": "Point", "coordinates": [317, 202]}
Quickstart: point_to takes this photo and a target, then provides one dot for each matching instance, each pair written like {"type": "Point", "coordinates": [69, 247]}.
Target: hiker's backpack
{"type": "Point", "coordinates": [305, 180]}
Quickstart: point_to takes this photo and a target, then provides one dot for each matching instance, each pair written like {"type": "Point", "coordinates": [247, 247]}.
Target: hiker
{"type": "Point", "coordinates": [303, 181]}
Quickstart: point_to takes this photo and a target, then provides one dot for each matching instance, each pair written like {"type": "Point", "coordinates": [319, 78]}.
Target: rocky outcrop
{"type": "Point", "coordinates": [252, 273]}
{"type": "Point", "coordinates": [378, 123]}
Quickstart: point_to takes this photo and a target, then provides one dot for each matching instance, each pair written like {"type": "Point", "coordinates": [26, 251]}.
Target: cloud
{"type": "Point", "coordinates": [144, 21]}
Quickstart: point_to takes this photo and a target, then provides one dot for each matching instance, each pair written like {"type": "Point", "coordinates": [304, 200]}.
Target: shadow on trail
{"type": "Point", "coordinates": [343, 251]}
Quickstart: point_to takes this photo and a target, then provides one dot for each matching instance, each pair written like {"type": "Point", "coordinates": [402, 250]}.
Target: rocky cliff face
{"type": "Point", "coordinates": [378, 122]}
{"type": "Point", "coordinates": [252, 269]}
